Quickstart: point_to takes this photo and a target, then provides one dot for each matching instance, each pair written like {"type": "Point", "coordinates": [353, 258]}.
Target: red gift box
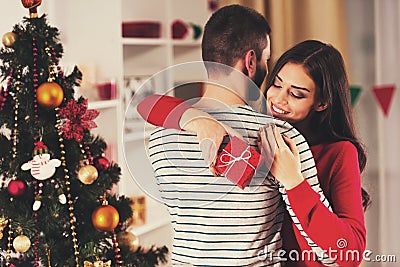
{"type": "Point", "coordinates": [238, 162]}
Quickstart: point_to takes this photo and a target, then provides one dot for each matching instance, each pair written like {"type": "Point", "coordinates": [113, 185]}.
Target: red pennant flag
{"type": "Point", "coordinates": [384, 95]}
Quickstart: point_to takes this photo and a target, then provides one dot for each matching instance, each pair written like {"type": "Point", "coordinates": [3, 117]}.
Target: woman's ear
{"type": "Point", "coordinates": [320, 106]}
{"type": "Point", "coordinates": [250, 63]}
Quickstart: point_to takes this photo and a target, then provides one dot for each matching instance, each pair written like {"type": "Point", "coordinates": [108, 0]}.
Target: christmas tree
{"type": "Point", "coordinates": [56, 208]}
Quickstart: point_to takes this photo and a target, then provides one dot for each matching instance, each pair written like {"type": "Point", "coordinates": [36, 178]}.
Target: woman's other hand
{"type": "Point", "coordinates": [281, 154]}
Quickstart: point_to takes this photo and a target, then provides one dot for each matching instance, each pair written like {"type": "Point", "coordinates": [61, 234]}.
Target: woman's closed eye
{"type": "Point", "coordinates": [297, 95]}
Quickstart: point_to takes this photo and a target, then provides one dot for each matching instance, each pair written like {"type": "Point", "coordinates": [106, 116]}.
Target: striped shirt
{"type": "Point", "coordinates": [215, 222]}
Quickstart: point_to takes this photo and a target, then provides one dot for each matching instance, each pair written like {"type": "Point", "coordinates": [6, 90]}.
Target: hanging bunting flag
{"type": "Point", "coordinates": [355, 91]}
{"type": "Point", "coordinates": [384, 96]}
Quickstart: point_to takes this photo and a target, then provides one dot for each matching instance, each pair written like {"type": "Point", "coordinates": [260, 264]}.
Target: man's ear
{"type": "Point", "coordinates": [250, 62]}
{"type": "Point", "coordinates": [320, 106]}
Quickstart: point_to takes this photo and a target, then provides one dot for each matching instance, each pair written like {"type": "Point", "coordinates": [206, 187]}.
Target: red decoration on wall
{"type": "Point", "coordinates": [179, 29]}
{"type": "Point", "coordinates": [384, 95]}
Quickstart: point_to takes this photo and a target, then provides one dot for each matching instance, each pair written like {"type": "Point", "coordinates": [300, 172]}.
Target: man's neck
{"type": "Point", "coordinates": [224, 90]}
{"type": "Point", "coordinates": [218, 96]}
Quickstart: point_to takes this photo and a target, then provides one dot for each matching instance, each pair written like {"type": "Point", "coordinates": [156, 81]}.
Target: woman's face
{"type": "Point", "coordinates": [292, 95]}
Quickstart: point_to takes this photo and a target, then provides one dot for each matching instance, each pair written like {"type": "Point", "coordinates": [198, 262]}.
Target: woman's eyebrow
{"type": "Point", "coordinates": [300, 88]}
{"type": "Point", "coordinates": [294, 86]}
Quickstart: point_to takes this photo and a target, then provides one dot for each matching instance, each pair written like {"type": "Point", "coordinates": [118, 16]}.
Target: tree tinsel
{"type": "Point", "coordinates": [36, 48]}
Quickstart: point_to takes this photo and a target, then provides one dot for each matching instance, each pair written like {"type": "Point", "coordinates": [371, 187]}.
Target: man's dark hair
{"type": "Point", "coordinates": [231, 31]}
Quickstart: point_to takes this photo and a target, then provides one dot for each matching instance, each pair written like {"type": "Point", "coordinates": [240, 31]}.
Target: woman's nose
{"type": "Point", "coordinates": [281, 97]}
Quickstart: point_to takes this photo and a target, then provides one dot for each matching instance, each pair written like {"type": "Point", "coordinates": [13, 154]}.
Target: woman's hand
{"type": "Point", "coordinates": [281, 153]}
{"type": "Point", "coordinates": [210, 132]}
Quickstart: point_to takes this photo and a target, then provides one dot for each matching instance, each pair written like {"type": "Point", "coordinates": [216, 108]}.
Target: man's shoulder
{"type": "Point", "coordinates": [243, 113]}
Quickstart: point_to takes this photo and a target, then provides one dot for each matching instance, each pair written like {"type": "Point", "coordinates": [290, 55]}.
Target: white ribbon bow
{"type": "Point", "coordinates": [246, 154]}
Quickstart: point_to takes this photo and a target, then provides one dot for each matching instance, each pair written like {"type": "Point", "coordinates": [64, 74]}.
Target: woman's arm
{"type": "Point", "coordinates": [162, 110]}
{"type": "Point", "coordinates": [175, 113]}
{"type": "Point", "coordinates": [326, 229]}
{"type": "Point", "coordinates": [344, 230]}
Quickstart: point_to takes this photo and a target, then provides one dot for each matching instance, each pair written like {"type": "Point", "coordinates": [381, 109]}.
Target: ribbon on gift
{"type": "Point", "coordinates": [97, 264]}
{"type": "Point", "coordinates": [246, 155]}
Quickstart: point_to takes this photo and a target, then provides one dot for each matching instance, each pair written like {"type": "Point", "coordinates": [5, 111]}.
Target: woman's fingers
{"type": "Point", "coordinates": [266, 146]}
{"type": "Point", "coordinates": [278, 137]}
{"type": "Point", "coordinates": [292, 146]}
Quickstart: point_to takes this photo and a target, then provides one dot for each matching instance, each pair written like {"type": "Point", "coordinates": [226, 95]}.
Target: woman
{"type": "Point", "coordinates": [308, 88]}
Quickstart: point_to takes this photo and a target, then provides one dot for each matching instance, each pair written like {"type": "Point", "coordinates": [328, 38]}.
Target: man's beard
{"type": "Point", "coordinates": [253, 93]}
{"type": "Point", "coordinates": [259, 76]}
{"type": "Point", "coordinates": [254, 96]}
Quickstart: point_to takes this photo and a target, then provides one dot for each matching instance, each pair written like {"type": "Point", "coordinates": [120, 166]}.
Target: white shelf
{"type": "Point", "coordinates": [186, 42]}
{"type": "Point", "coordinates": [136, 131]}
{"type": "Point", "coordinates": [103, 104]}
{"type": "Point", "coordinates": [156, 217]}
{"type": "Point", "coordinates": [135, 136]}
{"type": "Point", "coordinates": [144, 41]}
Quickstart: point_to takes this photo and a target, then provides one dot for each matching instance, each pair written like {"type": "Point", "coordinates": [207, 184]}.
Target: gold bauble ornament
{"type": "Point", "coordinates": [105, 218]}
{"type": "Point", "coordinates": [50, 95]}
{"type": "Point", "coordinates": [21, 243]}
{"type": "Point", "coordinates": [88, 174]}
{"type": "Point", "coordinates": [9, 39]}
{"type": "Point", "coordinates": [128, 240]}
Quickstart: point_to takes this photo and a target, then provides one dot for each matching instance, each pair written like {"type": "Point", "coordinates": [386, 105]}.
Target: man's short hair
{"type": "Point", "coordinates": [232, 31]}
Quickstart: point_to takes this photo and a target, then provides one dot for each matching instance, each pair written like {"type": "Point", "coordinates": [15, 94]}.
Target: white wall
{"type": "Point", "coordinates": [374, 37]}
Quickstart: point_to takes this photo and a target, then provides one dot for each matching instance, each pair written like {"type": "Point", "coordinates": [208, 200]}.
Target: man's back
{"type": "Point", "coordinates": [215, 222]}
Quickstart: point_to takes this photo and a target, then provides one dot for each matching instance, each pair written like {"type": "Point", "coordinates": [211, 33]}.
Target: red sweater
{"type": "Point", "coordinates": [342, 233]}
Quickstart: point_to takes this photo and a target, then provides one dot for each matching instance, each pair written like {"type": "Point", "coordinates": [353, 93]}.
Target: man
{"type": "Point", "coordinates": [215, 223]}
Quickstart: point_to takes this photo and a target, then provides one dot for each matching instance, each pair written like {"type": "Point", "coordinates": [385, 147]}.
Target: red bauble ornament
{"type": "Point", "coordinates": [101, 163]}
{"type": "Point", "coordinates": [31, 3]}
{"type": "Point", "coordinates": [105, 218]}
{"type": "Point", "coordinates": [50, 95]}
{"type": "Point", "coordinates": [16, 188]}
{"type": "Point", "coordinates": [32, 6]}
